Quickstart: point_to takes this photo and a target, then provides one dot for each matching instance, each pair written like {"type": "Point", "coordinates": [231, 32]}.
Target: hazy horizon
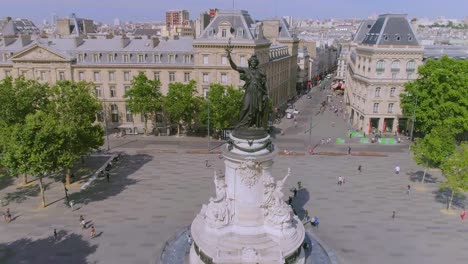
{"type": "Point", "coordinates": [146, 10]}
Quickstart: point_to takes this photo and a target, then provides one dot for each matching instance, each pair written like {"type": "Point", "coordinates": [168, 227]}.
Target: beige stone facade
{"type": "Point", "coordinates": [376, 77]}
{"type": "Point", "coordinates": [111, 64]}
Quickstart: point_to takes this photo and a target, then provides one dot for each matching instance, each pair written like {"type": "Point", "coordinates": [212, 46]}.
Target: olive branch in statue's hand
{"type": "Point", "coordinates": [229, 48]}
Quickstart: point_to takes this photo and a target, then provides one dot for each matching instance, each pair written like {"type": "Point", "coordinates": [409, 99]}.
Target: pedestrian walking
{"type": "Point", "coordinates": [295, 123]}
{"type": "Point", "coordinates": [71, 205]}
{"type": "Point", "coordinates": [408, 190]}
{"type": "Point", "coordinates": [349, 150]}
{"type": "Point", "coordinates": [393, 215]}
{"type": "Point", "coordinates": [93, 232]}
{"type": "Point", "coordinates": [359, 168]}
{"type": "Point", "coordinates": [108, 176]}
{"type": "Point", "coordinates": [463, 214]}
{"type": "Point", "coordinates": [82, 222]}
{"type": "Point", "coordinates": [55, 234]}
{"type": "Point", "coordinates": [7, 216]}
{"type": "Point", "coordinates": [340, 180]}
{"type": "Point", "coordinates": [397, 169]}
{"type": "Point", "coordinates": [315, 222]}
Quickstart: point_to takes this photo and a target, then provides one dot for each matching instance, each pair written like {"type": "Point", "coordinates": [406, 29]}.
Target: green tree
{"type": "Point", "coordinates": [181, 103]}
{"type": "Point", "coordinates": [442, 100]}
{"type": "Point", "coordinates": [33, 147]}
{"type": "Point", "coordinates": [18, 98]}
{"type": "Point", "coordinates": [455, 169]}
{"type": "Point", "coordinates": [223, 103]}
{"type": "Point", "coordinates": [75, 107]}
{"type": "Point", "coordinates": [433, 149]}
{"type": "Point", "coordinates": [144, 97]}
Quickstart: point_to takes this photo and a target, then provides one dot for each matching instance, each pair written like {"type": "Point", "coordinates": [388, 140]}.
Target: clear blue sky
{"type": "Point", "coordinates": [151, 10]}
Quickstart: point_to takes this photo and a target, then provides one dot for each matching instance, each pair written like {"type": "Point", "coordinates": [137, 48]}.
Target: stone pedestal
{"type": "Point", "coordinates": [248, 220]}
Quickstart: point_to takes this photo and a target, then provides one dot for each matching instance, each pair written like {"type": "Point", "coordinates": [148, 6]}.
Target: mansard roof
{"type": "Point", "coordinates": [235, 19]}
{"type": "Point", "coordinates": [391, 29]}
{"type": "Point", "coordinates": [363, 29]}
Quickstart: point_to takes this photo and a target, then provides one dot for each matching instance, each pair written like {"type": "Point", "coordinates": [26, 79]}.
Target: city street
{"type": "Point", "coordinates": [160, 185]}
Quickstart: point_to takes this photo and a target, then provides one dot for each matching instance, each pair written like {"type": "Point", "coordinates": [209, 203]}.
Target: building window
{"type": "Point", "coordinates": [395, 66]}
{"type": "Point", "coordinates": [114, 113]}
{"type": "Point", "coordinates": [376, 107]}
{"type": "Point", "coordinates": [126, 58]}
{"type": "Point", "coordinates": [205, 92]}
{"type": "Point", "coordinates": [205, 59]}
{"type": "Point", "coordinates": [243, 60]}
{"type": "Point", "coordinates": [81, 76]}
{"type": "Point", "coordinates": [224, 33]}
{"type": "Point", "coordinates": [390, 108]}
{"type": "Point", "coordinates": [141, 58]}
{"type": "Point", "coordinates": [186, 76]}
{"type": "Point", "coordinates": [157, 76]}
{"type": "Point", "coordinates": [380, 67]}
{"type": "Point", "coordinates": [187, 59]}
{"type": "Point", "coordinates": [128, 115]}
{"type": "Point", "coordinates": [392, 92]}
{"type": "Point", "coordinates": [111, 57]}
{"type": "Point", "coordinates": [42, 75]}
{"type": "Point", "coordinates": [61, 76]}
{"type": "Point", "coordinates": [171, 58]}
{"type": "Point", "coordinates": [172, 77]}
{"type": "Point", "coordinates": [96, 57]}
{"type": "Point", "coordinates": [97, 76]}
{"type": "Point", "coordinates": [411, 66]}
{"type": "Point", "coordinates": [97, 89]}
{"type": "Point", "coordinates": [224, 60]}
{"type": "Point", "coordinates": [127, 76]}
{"type": "Point", "coordinates": [223, 78]}
{"type": "Point", "coordinates": [126, 88]}
{"type": "Point", "coordinates": [80, 57]}
{"type": "Point", "coordinates": [111, 76]}
{"type": "Point", "coordinates": [377, 92]}
{"type": "Point", "coordinates": [113, 92]}
{"type": "Point", "coordinates": [240, 32]}
{"type": "Point", "coordinates": [100, 116]}
{"type": "Point", "coordinates": [394, 75]}
{"type": "Point", "coordinates": [206, 78]}
{"type": "Point", "coordinates": [157, 58]}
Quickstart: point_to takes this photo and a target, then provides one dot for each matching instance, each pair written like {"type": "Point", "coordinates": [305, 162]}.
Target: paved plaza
{"type": "Point", "coordinates": [158, 187]}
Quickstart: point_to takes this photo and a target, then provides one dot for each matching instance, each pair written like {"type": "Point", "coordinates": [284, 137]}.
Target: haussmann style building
{"type": "Point", "coordinates": [112, 63]}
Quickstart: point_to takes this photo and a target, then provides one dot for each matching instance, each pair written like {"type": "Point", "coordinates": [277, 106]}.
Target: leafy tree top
{"type": "Point", "coordinates": [441, 96]}
{"type": "Point", "coordinates": [181, 102]}
{"type": "Point", "coordinates": [456, 169]}
{"type": "Point", "coordinates": [144, 95]}
{"type": "Point", "coordinates": [434, 148]}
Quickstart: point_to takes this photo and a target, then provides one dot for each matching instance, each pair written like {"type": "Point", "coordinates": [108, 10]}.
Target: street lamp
{"type": "Point", "coordinates": [106, 128]}
{"type": "Point", "coordinates": [413, 118]}
{"type": "Point", "coordinates": [209, 140]}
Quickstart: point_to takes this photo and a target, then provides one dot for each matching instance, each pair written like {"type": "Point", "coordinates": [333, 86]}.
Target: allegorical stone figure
{"type": "Point", "coordinates": [255, 103]}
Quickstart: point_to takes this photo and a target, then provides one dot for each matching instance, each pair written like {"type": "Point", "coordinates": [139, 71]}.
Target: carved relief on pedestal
{"type": "Point", "coordinates": [249, 173]}
{"type": "Point", "coordinates": [218, 212]}
{"type": "Point", "coordinates": [276, 212]}
{"type": "Point", "coordinates": [249, 254]}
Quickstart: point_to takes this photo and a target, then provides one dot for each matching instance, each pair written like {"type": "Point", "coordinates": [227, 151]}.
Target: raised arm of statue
{"type": "Point", "coordinates": [231, 62]}
{"type": "Point", "coordinates": [285, 177]}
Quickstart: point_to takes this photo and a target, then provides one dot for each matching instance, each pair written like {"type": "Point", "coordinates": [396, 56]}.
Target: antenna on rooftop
{"type": "Point", "coordinates": [233, 4]}
{"type": "Point", "coordinates": [276, 8]}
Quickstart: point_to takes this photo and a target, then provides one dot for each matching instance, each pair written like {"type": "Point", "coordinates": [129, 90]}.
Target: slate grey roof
{"type": "Point", "coordinates": [20, 26]}
{"type": "Point", "coordinates": [391, 29]}
{"type": "Point", "coordinates": [436, 52]}
{"type": "Point", "coordinates": [146, 32]}
{"type": "Point", "coordinates": [238, 19]}
{"type": "Point", "coordinates": [363, 29]}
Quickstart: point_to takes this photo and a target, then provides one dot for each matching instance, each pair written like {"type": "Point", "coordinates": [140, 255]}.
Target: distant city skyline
{"type": "Point", "coordinates": [154, 10]}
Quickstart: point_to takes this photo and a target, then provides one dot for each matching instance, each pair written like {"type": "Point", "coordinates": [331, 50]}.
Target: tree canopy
{"type": "Point", "coordinates": [439, 97]}
{"type": "Point", "coordinates": [144, 97]}
{"type": "Point", "coordinates": [181, 103]}
{"type": "Point", "coordinates": [223, 104]}
{"type": "Point", "coordinates": [455, 169]}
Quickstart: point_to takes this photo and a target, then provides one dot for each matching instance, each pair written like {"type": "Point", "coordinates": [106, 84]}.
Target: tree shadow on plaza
{"type": "Point", "coordinates": [100, 189]}
{"type": "Point", "coordinates": [418, 176]}
{"type": "Point", "coordinates": [5, 180]}
{"type": "Point", "coordinates": [300, 201]}
{"type": "Point", "coordinates": [22, 193]}
{"type": "Point", "coordinates": [67, 248]}
{"type": "Point", "coordinates": [442, 196]}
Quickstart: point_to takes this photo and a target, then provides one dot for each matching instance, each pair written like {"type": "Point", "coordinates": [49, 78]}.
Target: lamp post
{"type": "Point", "coordinates": [209, 140]}
{"type": "Point", "coordinates": [106, 128]}
{"type": "Point", "coordinates": [413, 118]}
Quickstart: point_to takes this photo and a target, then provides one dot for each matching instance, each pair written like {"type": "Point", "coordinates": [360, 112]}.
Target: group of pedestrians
{"type": "Point", "coordinates": [84, 227]}
{"type": "Point", "coordinates": [7, 216]}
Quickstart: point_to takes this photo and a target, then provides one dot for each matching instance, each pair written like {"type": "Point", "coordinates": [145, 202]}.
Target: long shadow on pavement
{"type": "Point", "coordinates": [418, 175]}
{"type": "Point", "coordinates": [100, 189]}
{"type": "Point", "coordinates": [299, 202]}
{"type": "Point", "coordinates": [24, 192]}
{"type": "Point", "coordinates": [443, 195]}
{"type": "Point", "coordinates": [5, 180]}
{"type": "Point", "coordinates": [67, 248]}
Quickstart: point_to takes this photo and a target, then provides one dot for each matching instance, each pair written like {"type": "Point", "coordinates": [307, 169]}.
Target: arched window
{"type": "Point", "coordinates": [377, 92]}
{"type": "Point", "coordinates": [392, 91]}
{"type": "Point", "coordinates": [411, 66]}
{"type": "Point", "coordinates": [380, 66]}
{"type": "Point", "coordinates": [395, 66]}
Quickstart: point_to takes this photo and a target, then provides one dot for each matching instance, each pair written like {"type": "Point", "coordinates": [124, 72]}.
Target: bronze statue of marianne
{"type": "Point", "coordinates": [255, 103]}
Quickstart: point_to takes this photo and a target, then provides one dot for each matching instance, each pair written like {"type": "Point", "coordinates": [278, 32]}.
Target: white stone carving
{"type": "Point", "coordinates": [249, 254]}
{"type": "Point", "coordinates": [277, 213]}
{"type": "Point", "coordinates": [249, 173]}
{"type": "Point", "coordinates": [218, 212]}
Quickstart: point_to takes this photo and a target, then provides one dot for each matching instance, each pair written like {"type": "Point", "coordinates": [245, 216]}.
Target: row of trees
{"type": "Point", "coordinates": [46, 129]}
{"type": "Point", "coordinates": [439, 101]}
{"type": "Point", "coordinates": [182, 105]}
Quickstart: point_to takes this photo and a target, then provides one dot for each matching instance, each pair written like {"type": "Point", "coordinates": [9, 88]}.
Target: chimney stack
{"type": "Point", "coordinates": [155, 41]}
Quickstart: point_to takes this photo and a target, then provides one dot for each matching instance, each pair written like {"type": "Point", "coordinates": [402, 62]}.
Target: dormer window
{"type": "Point", "coordinates": [96, 57]}
{"type": "Point", "coordinates": [126, 58]}
{"type": "Point", "coordinates": [398, 38]}
{"type": "Point", "coordinates": [385, 37]}
{"type": "Point", "coordinates": [240, 33]}
{"type": "Point", "coordinates": [211, 32]}
{"type": "Point", "coordinates": [111, 57]}
{"type": "Point", "coordinates": [224, 33]}
{"type": "Point", "coordinates": [171, 58]}
{"type": "Point", "coordinates": [410, 38]}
